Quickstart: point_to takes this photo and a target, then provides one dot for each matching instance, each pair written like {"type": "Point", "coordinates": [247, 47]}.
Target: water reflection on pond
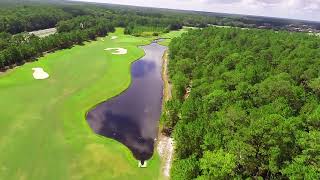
{"type": "Point", "coordinates": [132, 117]}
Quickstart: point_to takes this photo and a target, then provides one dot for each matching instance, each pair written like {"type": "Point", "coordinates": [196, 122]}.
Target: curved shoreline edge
{"type": "Point", "coordinates": [108, 99]}
{"type": "Point", "coordinates": [128, 86]}
{"type": "Point", "coordinates": [141, 46]}
{"type": "Point", "coordinates": [74, 143]}
{"type": "Point", "coordinates": [165, 145]}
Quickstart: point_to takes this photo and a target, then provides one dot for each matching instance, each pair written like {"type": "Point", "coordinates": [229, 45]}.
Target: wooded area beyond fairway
{"type": "Point", "coordinates": [245, 104]}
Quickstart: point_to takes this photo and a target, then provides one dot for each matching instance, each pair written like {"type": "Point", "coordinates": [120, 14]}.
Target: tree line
{"type": "Point", "coordinates": [25, 18]}
{"type": "Point", "coordinates": [245, 105]}
{"type": "Point", "coordinates": [21, 48]}
{"type": "Point", "coordinates": [84, 22]}
{"type": "Point", "coordinates": [75, 24]}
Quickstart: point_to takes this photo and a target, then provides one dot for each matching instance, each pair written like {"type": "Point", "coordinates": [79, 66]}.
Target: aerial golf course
{"type": "Point", "coordinates": [43, 131]}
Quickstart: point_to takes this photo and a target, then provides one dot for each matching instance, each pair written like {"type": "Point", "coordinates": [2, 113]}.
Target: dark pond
{"type": "Point", "coordinates": [132, 117]}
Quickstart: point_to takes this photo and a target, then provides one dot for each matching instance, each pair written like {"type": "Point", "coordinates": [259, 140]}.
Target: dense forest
{"type": "Point", "coordinates": [24, 18]}
{"type": "Point", "coordinates": [77, 23]}
{"type": "Point", "coordinates": [21, 48]}
{"type": "Point", "coordinates": [245, 105]}
{"type": "Point", "coordinates": [245, 102]}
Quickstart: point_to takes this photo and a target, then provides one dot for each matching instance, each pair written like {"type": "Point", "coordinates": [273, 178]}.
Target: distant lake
{"type": "Point", "coordinates": [132, 118]}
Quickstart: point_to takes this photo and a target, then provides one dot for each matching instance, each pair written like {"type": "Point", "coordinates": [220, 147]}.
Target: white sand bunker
{"type": "Point", "coordinates": [39, 73]}
{"type": "Point", "coordinates": [114, 37]}
{"type": "Point", "coordinates": [118, 51]}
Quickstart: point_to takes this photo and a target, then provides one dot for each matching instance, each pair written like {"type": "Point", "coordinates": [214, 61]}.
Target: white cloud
{"type": "Point", "coordinates": [299, 9]}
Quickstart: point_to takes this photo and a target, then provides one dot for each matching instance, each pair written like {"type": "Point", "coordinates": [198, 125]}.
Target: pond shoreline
{"type": "Point", "coordinates": [132, 117]}
{"type": "Point", "coordinates": [165, 144]}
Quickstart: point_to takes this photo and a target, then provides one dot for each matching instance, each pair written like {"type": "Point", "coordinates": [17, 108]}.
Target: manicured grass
{"type": "Point", "coordinates": [43, 131]}
{"type": "Point", "coordinates": [146, 31]}
{"type": "Point", "coordinates": [169, 36]}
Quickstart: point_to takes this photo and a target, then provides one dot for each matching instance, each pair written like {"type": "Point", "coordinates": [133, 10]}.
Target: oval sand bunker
{"type": "Point", "coordinates": [118, 51]}
{"type": "Point", "coordinates": [39, 73]}
{"type": "Point", "coordinates": [114, 37]}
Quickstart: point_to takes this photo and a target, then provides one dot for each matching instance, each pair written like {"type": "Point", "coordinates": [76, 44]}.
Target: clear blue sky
{"type": "Point", "coordinates": [297, 9]}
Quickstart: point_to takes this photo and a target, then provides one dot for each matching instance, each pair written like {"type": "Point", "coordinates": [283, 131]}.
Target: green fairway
{"type": "Point", "coordinates": [169, 36]}
{"type": "Point", "coordinates": [43, 131]}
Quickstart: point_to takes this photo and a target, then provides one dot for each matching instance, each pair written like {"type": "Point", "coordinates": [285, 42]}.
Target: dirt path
{"type": "Point", "coordinates": [44, 32]}
{"type": "Point", "coordinates": [165, 149]}
{"type": "Point", "coordinates": [165, 145]}
{"type": "Point", "coordinates": [167, 87]}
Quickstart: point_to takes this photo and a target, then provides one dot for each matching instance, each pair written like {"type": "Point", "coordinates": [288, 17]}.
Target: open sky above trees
{"type": "Point", "coordinates": [297, 9]}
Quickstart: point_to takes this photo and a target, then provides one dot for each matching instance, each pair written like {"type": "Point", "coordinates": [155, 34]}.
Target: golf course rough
{"type": "Point", "coordinates": [43, 131]}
